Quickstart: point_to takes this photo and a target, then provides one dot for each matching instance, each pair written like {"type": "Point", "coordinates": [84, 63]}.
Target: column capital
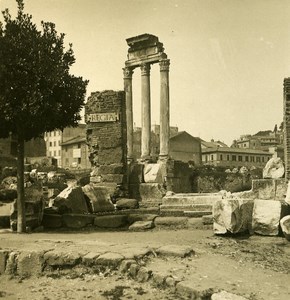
{"type": "Point", "coordinates": [164, 65]}
{"type": "Point", "coordinates": [145, 69]}
{"type": "Point", "coordinates": [128, 72]}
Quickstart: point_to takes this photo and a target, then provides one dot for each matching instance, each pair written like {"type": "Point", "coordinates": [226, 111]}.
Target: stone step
{"type": "Point", "coordinates": [188, 207]}
{"type": "Point", "coordinates": [183, 213]}
{"type": "Point", "coordinates": [193, 198]}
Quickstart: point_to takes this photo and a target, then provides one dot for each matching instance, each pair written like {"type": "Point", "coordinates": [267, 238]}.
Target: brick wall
{"type": "Point", "coordinates": [107, 140]}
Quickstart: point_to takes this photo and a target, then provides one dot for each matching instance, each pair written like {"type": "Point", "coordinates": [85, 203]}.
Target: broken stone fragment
{"type": "Point", "coordinates": [71, 200]}
{"type": "Point", "coordinates": [99, 197]}
{"type": "Point", "coordinates": [226, 296]}
{"type": "Point", "coordinates": [266, 216]}
{"type": "Point", "coordinates": [141, 225]}
{"type": "Point", "coordinates": [232, 215]}
{"type": "Point", "coordinates": [125, 203]}
{"type": "Point", "coordinates": [152, 173]}
{"type": "Point", "coordinates": [285, 226]}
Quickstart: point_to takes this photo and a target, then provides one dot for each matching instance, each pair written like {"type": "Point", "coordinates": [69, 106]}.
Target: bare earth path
{"type": "Point", "coordinates": [255, 267]}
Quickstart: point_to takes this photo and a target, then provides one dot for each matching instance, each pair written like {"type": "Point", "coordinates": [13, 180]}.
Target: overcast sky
{"type": "Point", "coordinates": [228, 57]}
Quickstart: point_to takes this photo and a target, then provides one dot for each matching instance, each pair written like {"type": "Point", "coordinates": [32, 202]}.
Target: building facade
{"type": "Point", "coordinates": [75, 153]}
{"type": "Point", "coordinates": [235, 157]}
{"type": "Point", "coordinates": [55, 138]}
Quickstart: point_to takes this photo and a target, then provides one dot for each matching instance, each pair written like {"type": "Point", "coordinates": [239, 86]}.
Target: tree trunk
{"type": "Point", "coordinates": [21, 217]}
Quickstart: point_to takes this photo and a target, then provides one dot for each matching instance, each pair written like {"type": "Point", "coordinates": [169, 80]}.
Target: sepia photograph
{"type": "Point", "coordinates": [144, 149]}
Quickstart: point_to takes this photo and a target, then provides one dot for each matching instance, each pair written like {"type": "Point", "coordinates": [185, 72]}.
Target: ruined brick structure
{"type": "Point", "coordinates": [287, 127]}
{"type": "Point", "coordinates": [105, 114]}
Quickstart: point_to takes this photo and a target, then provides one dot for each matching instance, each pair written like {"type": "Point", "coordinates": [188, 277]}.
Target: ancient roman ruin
{"type": "Point", "coordinates": [145, 50]}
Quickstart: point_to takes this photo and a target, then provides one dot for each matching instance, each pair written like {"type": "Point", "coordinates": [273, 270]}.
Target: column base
{"type": "Point", "coordinates": [146, 159]}
{"type": "Point", "coordinates": [163, 157]}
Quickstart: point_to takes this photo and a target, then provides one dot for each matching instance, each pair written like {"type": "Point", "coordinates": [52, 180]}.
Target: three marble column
{"type": "Point", "coordinates": [146, 110]}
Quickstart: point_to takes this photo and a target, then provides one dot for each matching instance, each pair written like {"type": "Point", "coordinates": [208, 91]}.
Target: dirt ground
{"type": "Point", "coordinates": [255, 267]}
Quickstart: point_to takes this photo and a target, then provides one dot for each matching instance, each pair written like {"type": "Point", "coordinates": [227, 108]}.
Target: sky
{"type": "Point", "coordinates": [228, 58]}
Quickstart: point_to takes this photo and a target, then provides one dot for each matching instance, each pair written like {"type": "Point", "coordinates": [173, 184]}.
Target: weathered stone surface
{"type": "Point", "coordinates": [77, 220]}
{"type": "Point", "coordinates": [287, 198]}
{"type": "Point", "coordinates": [152, 173]}
{"type": "Point", "coordinates": [30, 263]}
{"type": "Point", "coordinates": [90, 258]}
{"type": "Point", "coordinates": [136, 173]}
{"type": "Point", "coordinates": [125, 265]}
{"type": "Point", "coordinates": [3, 260]}
{"type": "Point", "coordinates": [226, 296]}
{"type": "Point", "coordinates": [159, 279]}
{"type": "Point", "coordinates": [116, 178]}
{"type": "Point", "coordinates": [125, 203]}
{"type": "Point", "coordinates": [274, 168]}
{"type": "Point", "coordinates": [71, 200]}
{"type": "Point", "coordinates": [170, 221]}
{"type": "Point", "coordinates": [100, 197]}
{"type": "Point", "coordinates": [232, 215]}
{"type": "Point", "coordinates": [143, 274]}
{"type": "Point", "coordinates": [281, 189]}
{"type": "Point", "coordinates": [141, 225]}
{"type": "Point", "coordinates": [61, 258]}
{"type": "Point", "coordinates": [133, 270]}
{"type": "Point", "coordinates": [110, 259]}
{"type": "Point", "coordinates": [135, 252]}
{"type": "Point", "coordinates": [187, 290]}
{"type": "Point", "coordinates": [151, 191]}
{"type": "Point", "coordinates": [207, 220]}
{"type": "Point", "coordinates": [113, 221]}
{"type": "Point", "coordinates": [265, 188]}
{"type": "Point", "coordinates": [111, 169]}
{"type": "Point", "coordinates": [141, 217]}
{"type": "Point", "coordinates": [11, 263]}
{"type": "Point", "coordinates": [285, 226]}
{"type": "Point", "coordinates": [175, 250]}
{"type": "Point", "coordinates": [52, 221]}
{"type": "Point", "coordinates": [266, 217]}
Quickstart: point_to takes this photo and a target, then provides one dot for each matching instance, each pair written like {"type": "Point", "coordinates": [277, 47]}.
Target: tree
{"type": "Point", "coordinates": [37, 91]}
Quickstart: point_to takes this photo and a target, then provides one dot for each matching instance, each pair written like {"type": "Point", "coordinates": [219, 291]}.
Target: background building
{"type": "Point", "coordinates": [235, 157]}
{"type": "Point", "coordinates": [55, 138]}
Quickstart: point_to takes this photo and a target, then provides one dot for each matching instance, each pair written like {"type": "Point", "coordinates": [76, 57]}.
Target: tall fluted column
{"type": "Point", "coordinates": [146, 112]}
{"type": "Point", "coordinates": [164, 109]}
{"type": "Point", "coordinates": [128, 72]}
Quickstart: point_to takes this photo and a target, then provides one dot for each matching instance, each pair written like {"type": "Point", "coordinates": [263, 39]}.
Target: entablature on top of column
{"type": "Point", "coordinates": [144, 48]}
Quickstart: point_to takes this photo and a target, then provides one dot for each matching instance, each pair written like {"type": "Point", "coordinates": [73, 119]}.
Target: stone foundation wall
{"type": "Point", "coordinates": [105, 114]}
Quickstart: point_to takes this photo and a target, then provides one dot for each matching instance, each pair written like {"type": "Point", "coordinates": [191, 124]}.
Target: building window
{"type": "Point", "coordinates": [54, 153]}
{"type": "Point", "coordinates": [65, 149]}
{"type": "Point", "coordinates": [245, 145]}
{"type": "Point", "coordinates": [234, 157]}
{"type": "Point", "coordinates": [54, 133]}
{"type": "Point", "coordinates": [247, 158]}
{"type": "Point", "coordinates": [252, 159]}
{"type": "Point", "coordinates": [211, 157]}
{"type": "Point", "coordinates": [240, 158]}
{"type": "Point", "coordinates": [50, 144]}
{"type": "Point", "coordinates": [54, 143]}
{"type": "Point", "coordinates": [79, 160]}
{"type": "Point", "coordinates": [59, 142]}
{"type": "Point", "coordinates": [221, 157]}
{"type": "Point", "coordinates": [263, 159]}
{"type": "Point", "coordinates": [79, 145]}
{"type": "Point", "coordinates": [268, 158]}
{"type": "Point", "coordinates": [257, 159]}
{"type": "Point", "coordinates": [228, 157]}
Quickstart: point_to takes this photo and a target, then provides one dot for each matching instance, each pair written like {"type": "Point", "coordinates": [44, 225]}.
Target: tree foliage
{"type": "Point", "coordinates": [37, 91]}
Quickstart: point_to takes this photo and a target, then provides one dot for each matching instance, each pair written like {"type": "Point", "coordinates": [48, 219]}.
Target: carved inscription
{"type": "Point", "coordinates": [104, 117]}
